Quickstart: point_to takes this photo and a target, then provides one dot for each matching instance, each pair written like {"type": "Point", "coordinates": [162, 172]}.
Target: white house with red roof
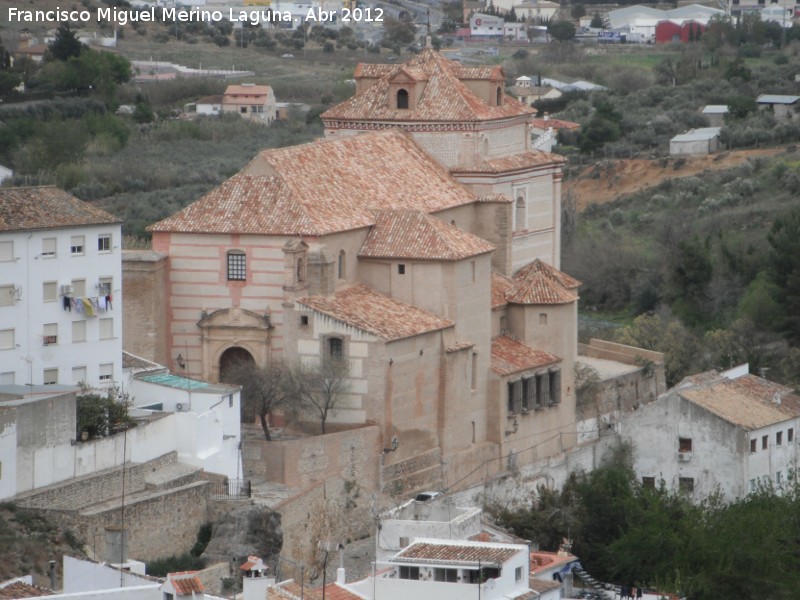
{"type": "Point", "coordinates": [250, 101]}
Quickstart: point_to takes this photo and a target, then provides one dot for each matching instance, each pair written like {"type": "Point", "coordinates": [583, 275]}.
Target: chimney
{"type": "Point", "coordinates": [254, 579]}
{"type": "Point", "coordinates": [116, 545]}
{"type": "Point", "coordinates": [340, 579]}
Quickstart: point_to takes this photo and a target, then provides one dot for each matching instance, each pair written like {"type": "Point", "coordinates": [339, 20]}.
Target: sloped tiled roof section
{"type": "Point", "coordinates": [738, 403]}
{"type": "Point", "coordinates": [377, 314]}
{"type": "Point", "coordinates": [539, 283]}
{"type": "Point", "coordinates": [511, 356]}
{"type": "Point", "coordinates": [417, 235]}
{"type": "Point", "coordinates": [501, 285]}
{"type": "Point", "coordinates": [323, 187]}
{"type": "Point", "coordinates": [426, 552]}
{"type": "Point", "coordinates": [516, 162]}
{"type": "Point", "coordinates": [19, 589]}
{"type": "Point", "coordinates": [186, 582]}
{"type": "Point", "coordinates": [291, 590]}
{"type": "Point", "coordinates": [445, 97]}
{"type": "Point", "coordinates": [46, 207]}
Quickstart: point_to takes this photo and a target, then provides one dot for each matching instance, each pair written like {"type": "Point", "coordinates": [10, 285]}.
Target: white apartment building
{"type": "Point", "coordinates": [60, 284]}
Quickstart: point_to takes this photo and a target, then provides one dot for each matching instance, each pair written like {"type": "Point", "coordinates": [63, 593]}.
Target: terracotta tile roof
{"type": "Point", "coordinates": [742, 403]}
{"type": "Point", "coordinates": [458, 346]}
{"type": "Point", "coordinates": [252, 562]}
{"type": "Point", "coordinates": [554, 123]}
{"type": "Point", "coordinates": [544, 561]}
{"type": "Point", "coordinates": [417, 235]}
{"type": "Point", "coordinates": [540, 586]}
{"type": "Point", "coordinates": [529, 595]}
{"type": "Point", "coordinates": [455, 553]}
{"type": "Point", "coordinates": [377, 314]}
{"type": "Point", "coordinates": [323, 187]}
{"type": "Point", "coordinates": [496, 199]}
{"type": "Point", "coordinates": [19, 589]}
{"type": "Point", "coordinates": [291, 590]}
{"type": "Point", "coordinates": [186, 582]}
{"type": "Point", "coordinates": [209, 100]}
{"type": "Point", "coordinates": [46, 207]}
{"type": "Point", "coordinates": [500, 286]}
{"type": "Point", "coordinates": [445, 97]}
{"type": "Point", "coordinates": [511, 356]}
{"type": "Point", "coordinates": [515, 162]}
{"type": "Point", "coordinates": [539, 283]}
{"type": "Point", "coordinates": [246, 91]}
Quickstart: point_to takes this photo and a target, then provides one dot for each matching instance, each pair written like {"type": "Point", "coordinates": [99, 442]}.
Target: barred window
{"type": "Point", "coordinates": [237, 266]}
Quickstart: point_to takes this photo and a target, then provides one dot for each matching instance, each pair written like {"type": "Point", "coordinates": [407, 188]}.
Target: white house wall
{"type": "Point", "coordinates": [8, 453]}
{"type": "Point", "coordinates": [27, 360]}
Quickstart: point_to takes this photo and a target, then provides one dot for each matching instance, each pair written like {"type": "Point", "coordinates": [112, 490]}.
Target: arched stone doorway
{"type": "Point", "coordinates": [231, 359]}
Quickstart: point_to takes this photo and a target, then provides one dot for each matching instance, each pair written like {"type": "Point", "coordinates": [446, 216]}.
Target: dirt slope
{"type": "Point", "coordinates": [606, 180]}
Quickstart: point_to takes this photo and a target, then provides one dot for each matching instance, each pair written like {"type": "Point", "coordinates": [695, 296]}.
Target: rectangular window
{"type": "Point", "coordinates": [753, 445]}
{"type": "Point", "coordinates": [446, 575]}
{"type": "Point", "coordinates": [790, 435]}
{"type": "Point", "coordinates": [778, 477]}
{"type": "Point", "coordinates": [50, 334]}
{"type": "Point", "coordinates": [529, 393]}
{"type": "Point", "coordinates": [79, 288]}
{"type": "Point", "coordinates": [7, 339]}
{"type": "Point", "coordinates": [409, 572]}
{"type": "Point", "coordinates": [303, 320]}
{"type": "Point", "coordinates": [237, 266]}
{"type": "Point", "coordinates": [474, 273]}
{"type": "Point", "coordinates": [686, 484]}
{"type": "Point", "coordinates": [403, 542]}
{"type": "Point", "coordinates": [6, 251]}
{"type": "Point", "coordinates": [779, 438]}
{"type": "Point", "coordinates": [76, 245]}
{"type": "Point", "coordinates": [554, 382]}
{"type": "Point", "coordinates": [753, 485]}
{"type": "Point", "coordinates": [684, 444]}
{"type": "Point", "coordinates": [106, 329]}
{"type": "Point", "coordinates": [78, 331]}
{"type": "Point", "coordinates": [105, 286]}
{"type": "Point", "coordinates": [764, 442]}
{"type": "Point", "coordinates": [106, 372]}
{"type": "Point", "coordinates": [7, 295]}
{"type": "Point", "coordinates": [473, 384]}
{"type": "Point", "coordinates": [649, 482]}
{"type": "Point", "coordinates": [401, 269]}
{"type": "Point", "coordinates": [518, 574]}
{"type": "Point", "coordinates": [542, 318]}
{"type": "Point", "coordinates": [78, 375]}
{"type": "Point", "coordinates": [49, 246]}
{"type": "Point", "coordinates": [514, 397]}
{"type": "Point", "coordinates": [335, 347]}
{"type": "Point", "coordinates": [49, 291]}
{"type": "Point", "coordinates": [104, 242]}
{"type": "Point", "coordinates": [50, 376]}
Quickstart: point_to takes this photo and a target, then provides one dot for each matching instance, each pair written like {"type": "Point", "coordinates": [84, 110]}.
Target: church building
{"type": "Point", "coordinates": [420, 241]}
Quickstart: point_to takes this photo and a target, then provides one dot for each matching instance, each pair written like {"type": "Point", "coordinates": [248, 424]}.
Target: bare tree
{"type": "Point", "coordinates": [263, 390]}
{"type": "Point", "coordinates": [319, 388]}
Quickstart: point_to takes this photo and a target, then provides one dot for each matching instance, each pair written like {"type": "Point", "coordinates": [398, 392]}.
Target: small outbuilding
{"type": "Point", "coordinates": [783, 107]}
{"type": "Point", "coordinates": [715, 113]}
{"type": "Point", "coordinates": [704, 140]}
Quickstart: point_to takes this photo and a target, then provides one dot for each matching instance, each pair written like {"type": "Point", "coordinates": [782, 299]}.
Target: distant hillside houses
{"type": "Point", "coordinates": [638, 23]}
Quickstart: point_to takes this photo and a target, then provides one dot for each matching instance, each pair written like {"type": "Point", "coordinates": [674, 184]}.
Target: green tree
{"type": "Point", "coordinates": [397, 32]}
{"type": "Point", "coordinates": [66, 44]}
{"type": "Point", "coordinates": [100, 416]}
{"type": "Point", "coordinates": [561, 31]}
{"type": "Point", "coordinates": [597, 21]}
{"type": "Point", "coordinates": [784, 263]}
{"type": "Point", "coordinates": [740, 106]}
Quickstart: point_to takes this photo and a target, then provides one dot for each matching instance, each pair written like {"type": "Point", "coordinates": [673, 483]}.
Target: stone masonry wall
{"type": "Point", "coordinates": [144, 284]}
{"type": "Point", "coordinates": [302, 462]}
{"type": "Point", "coordinates": [81, 492]}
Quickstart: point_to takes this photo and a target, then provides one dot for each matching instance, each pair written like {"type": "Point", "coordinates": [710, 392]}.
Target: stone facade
{"type": "Point", "coordinates": [144, 321]}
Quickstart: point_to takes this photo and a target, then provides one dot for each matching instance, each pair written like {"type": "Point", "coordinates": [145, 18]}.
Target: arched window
{"type": "Point", "coordinates": [237, 265]}
{"type": "Point", "coordinates": [301, 270]}
{"type": "Point", "coordinates": [499, 95]}
{"type": "Point", "coordinates": [519, 216]}
{"type": "Point", "coordinates": [402, 99]}
{"type": "Point", "coordinates": [342, 264]}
